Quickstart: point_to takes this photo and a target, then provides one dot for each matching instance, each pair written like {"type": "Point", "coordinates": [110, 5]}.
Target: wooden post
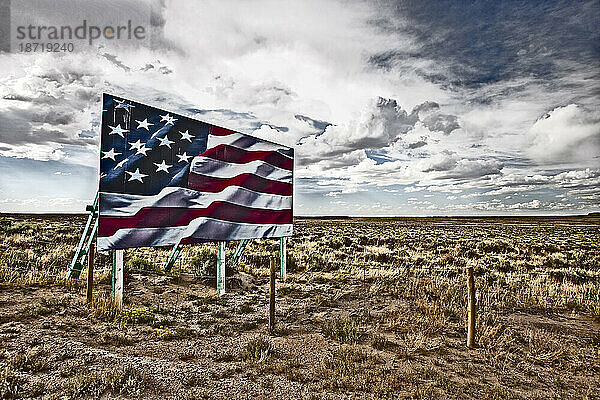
{"type": "Point", "coordinates": [283, 256]}
{"type": "Point", "coordinates": [118, 278]}
{"type": "Point", "coordinates": [472, 308]}
{"type": "Point", "coordinates": [272, 298]}
{"type": "Point", "coordinates": [90, 276]}
{"type": "Point", "coordinates": [221, 268]}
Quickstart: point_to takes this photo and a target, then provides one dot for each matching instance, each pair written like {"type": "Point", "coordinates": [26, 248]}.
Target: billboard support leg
{"type": "Point", "coordinates": [237, 255]}
{"type": "Point", "coordinates": [283, 257]}
{"type": "Point", "coordinates": [173, 257]}
{"type": "Point", "coordinates": [83, 247]}
{"type": "Point", "coordinates": [118, 281]}
{"type": "Point", "coordinates": [90, 275]}
{"type": "Point", "coordinates": [272, 296]}
{"type": "Point", "coordinates": [220, 268]}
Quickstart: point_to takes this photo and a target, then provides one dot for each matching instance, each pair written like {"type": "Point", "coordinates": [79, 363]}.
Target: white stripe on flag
{"type": "Point", "coordinates": [222, 169]}
{"type": "Point", "coordinates": [245, 142]}
{"type": "Point", "coordinates": [199, 228]}
{"type": "Point", "coordinates": [121, 205]}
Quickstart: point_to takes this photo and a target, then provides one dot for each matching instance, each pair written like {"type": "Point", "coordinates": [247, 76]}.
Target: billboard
{"type": "Point", "coordinates": [167, 179]}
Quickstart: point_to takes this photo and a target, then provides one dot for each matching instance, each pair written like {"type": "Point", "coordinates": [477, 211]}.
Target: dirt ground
{"type": "Point", "coordinates": [341, 334]}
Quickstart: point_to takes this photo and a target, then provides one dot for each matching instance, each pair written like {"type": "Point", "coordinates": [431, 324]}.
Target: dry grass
{"type": "Point", "coordinates": [370, 309]}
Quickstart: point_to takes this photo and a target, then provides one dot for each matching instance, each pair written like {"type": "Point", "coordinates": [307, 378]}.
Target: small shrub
{"type": "Point", "coordinates": [248, 325]}
{"type": "Point", "coordinates": [35, 389]}
{"type": "Point", "coordinates": [137, 316]}
{"type": "Point", "coordinates": [246, 308]}
{"type": "Point", "coordinates": [140, 263]}
{"type": "Point", "coordinates": [220, 314]}
{"type": "Point", "coordinates": [343, 330]}
{"type": "Point", "coordinates": [162, 333]}
{"type": "Point", "coordinates": [494, 246]}
{"type": "Point", "coordinates": [11, 384]}
{"type": "Point", "coordinates": [117, 339]}
{"type": "Point", "coordinates": [351, 368]}
{"type": "Point", "coordinates": [380, 342]}
{"type": "Point", "coordinates": [85, 384]}
{"type": "Point", "coordinates": [29, 360]}
{"type": "Point", "coordinates": [258, 350]}
{"type": "Point", "coordinates": [104, 308]}
{"type": "Point", "coordinates": [127, 381]}
{"type": "Point", "coordinates": [345, 360]}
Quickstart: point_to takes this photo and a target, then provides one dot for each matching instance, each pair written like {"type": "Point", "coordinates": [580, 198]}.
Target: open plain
{"type": "Point", "coordinates": [371, 308]}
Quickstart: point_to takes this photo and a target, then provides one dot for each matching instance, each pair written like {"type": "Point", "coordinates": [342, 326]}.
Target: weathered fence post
{"type": "Point", "coordinates": [283, 256]}
{"type": "Point", "coordinates": [221, 268]}
{"type": "Point", "coordinates": [90, 276]}
{"type": "Point", "coordinates": [272, 297]}
{"type": "Point", "coordinates": [472, 316]}
{"type": "Point", "coordinates": [118, 278]}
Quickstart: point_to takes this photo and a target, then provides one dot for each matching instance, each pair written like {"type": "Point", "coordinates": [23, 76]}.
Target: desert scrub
{"type": "Point", "coordinates": [141, 263]}
{"type": "Point", "coordinates": [41, 275]}
{"type": "Point", "coordinates": [126, 381]}
{"type": "Point", "coordinates": [380, 342]}
{"type": "Point", "coordinates": [104, 308]}
{"type": "Point", "coordinates": [245, 308]}
{"type": "Point", "coordinates": [351, 368]}
{"type": "Point", "coordinates": [343, 330]}
{"type": "Point", "coordinates": [163, 333]}
{"type": "Point", "coordinates": [116, 339]}
{"type": "Point", "coordinates": [28, 360]}
{"type": "Point", "coordinates": [258, 350]}
{"type": "Point", "coordinates": [413, 343]}
{"type": "Point", "coordinates": [11, 384]}
{"type": "Point", "coordinates": [136, 316]}
{"type": "Point", "coordinates": [202, 261]}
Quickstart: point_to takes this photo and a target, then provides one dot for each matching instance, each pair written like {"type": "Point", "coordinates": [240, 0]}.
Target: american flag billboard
{"type": "Point", "coordinates": [167, 179]}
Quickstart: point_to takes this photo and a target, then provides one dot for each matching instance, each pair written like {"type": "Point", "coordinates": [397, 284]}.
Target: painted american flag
{"type": "Point", "coordinates": [167, 179]}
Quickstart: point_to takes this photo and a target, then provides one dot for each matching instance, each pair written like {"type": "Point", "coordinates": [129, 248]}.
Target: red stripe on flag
{"type": "Point", "coordinates": [204, 183]}
{"type": "Point", "coordinates": [218, 131]}
{"type": "Point", "coordinates": [164, 217]}
{"type": "Point", "coordinates": [236, 155]}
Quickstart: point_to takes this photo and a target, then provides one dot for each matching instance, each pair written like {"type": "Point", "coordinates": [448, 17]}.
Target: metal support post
{"type": "Point", "coordinates": [283, 257]}
{"type": "Point", "coordinates": [118, 281]}
{"type": "Point", "coordinates": [220, 268]}
{"type": "Point", "coordinates": [238, 251]}
{"type": "Point", "coordinates": [90, 274]}
{"type": "Point", "coordinates": [175, 251]}
{"type": "Point", "coordinates": [83, 246]}
{"type": "Point", "coordinates": [272, 296]}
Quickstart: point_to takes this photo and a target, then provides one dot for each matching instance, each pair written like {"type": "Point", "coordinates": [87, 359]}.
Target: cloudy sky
{"type": "Point", "coordinates": [393, 108]}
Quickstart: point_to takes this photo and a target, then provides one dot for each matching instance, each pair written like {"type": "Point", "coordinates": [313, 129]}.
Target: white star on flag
{"type": "Point", "coordinates": [122, 104]}
{"type": "Point", "coordinates": [137, 145]}
{"type": "Point", "coordinates": [136, 176]}
{"type": "Point", "coordinates": [144, 124]}
{"type": "Point", "coordinates": [168, 118]}
{"type": "Point", "coordinates": [110, 154]}
{"type": "Point", "coordinates": [163, 167]}
{"type": "Point", "coordinates": [117, 130]}
{"type": "Point", "coordinates": [142, 150]}
{"type": "Point", "coordinates": [186, 136]}
{"type": "Point", "coordinates": [183, 157]}
{"type": "Point", "coordinates": [165, 141]}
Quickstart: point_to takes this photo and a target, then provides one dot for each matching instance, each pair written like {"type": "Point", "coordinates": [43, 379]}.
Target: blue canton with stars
{"type": "Point", "coordinates": [144, 149]}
